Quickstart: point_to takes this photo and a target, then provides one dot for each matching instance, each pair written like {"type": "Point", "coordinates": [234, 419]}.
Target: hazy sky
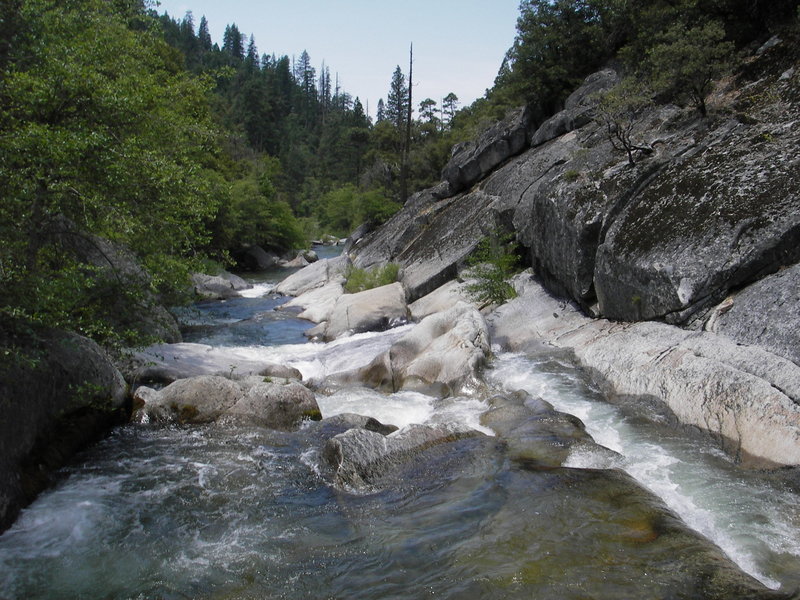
{"type": "Point", "coordinates": [458, 44]}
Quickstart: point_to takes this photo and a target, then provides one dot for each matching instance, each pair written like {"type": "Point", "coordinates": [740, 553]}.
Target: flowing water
{"type": "Point", "coordinates": [216, 512]}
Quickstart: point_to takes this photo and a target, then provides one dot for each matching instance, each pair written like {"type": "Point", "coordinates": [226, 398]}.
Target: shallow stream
{"type": "Point", "coordinates": [215, 512]}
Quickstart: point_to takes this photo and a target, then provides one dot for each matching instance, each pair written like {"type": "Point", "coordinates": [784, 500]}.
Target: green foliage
{"type": "Point", "coordinates": [687, 60]}
{"type": "Point", "coordinates": [492, 264]}
{"type": "Point", "coordinates": [359, 280]}
{"type": "Point", "coordinates": [254, 214]}
{"type": "Point", "coordinates": [100, 127]}
{"type": "Point", "coordinates": [345, 208]}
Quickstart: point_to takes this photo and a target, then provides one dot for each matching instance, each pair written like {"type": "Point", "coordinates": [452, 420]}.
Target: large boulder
{"type": "Point", "coordinates": [443, 354]}
{"type": "Point", "coordinates": [67, 397]}
{"type": "Point", "coordinates": [317, 303]}
{"type": "Point", "coordinates": [472, 161]}
{"type": "Point", "coordinates": [117, 271]}
{"type": "Point", "coordinates": [217, 287]}
{"type": "Point", "coordinates": [313, 276]}
{"type": "Point", "coordinates": [256, 258]}
{"type": "Point", "coordinates": [360, 457]}
{"type": "Point", "coordinates": [371, 310]}
{"type": "Point", "coordinates": [440, 299]}
{"type": "Point", "coordinates": [746, 398]}
{"type": "Point", "coordinates": [206, 399]}
{"type": "Point", "coordinates": [276, 405]}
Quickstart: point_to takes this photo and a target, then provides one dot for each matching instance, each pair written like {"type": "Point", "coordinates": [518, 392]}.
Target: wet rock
{"type": "Point", "coordinates": [331, 426]}
{"type": "Point", "coordinates": [371, 310]}
{"type": "Point", "coordinates": [275, 405]}
{"type": "Point", "coordinates": [259, 401]}
{"type": "Point", "coordinates": [537, 434]}
{"type": "Point", "coordinates": [51, 409]}
{"type": "Point", "coordinates": [165, 363]}
{"type": "Point", "coordinates": [442, 355]}
{"type": "Point", "coordinates": [313, 276]}
{"type": "Point", "coordinates": [748, 399]}
{"type": "Point", "coordinates": [360, 457]}
{"type": "Point", "coordinates": [194, 400]}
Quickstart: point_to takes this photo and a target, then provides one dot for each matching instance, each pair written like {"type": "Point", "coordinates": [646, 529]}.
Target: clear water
{"type": "Point", "coordinates": [752, 517]}
{"type": "Point", "coordinates": [213, 512]}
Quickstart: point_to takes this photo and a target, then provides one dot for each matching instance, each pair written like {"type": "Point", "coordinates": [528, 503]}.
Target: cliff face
{"type": "Point", "coordinates": [711, 210]}
{"type": "Point", "coordinates": [701, 235]}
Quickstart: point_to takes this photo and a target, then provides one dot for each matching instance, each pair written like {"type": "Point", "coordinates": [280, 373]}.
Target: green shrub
{"type": "Point", "coordinates": [492, 265]}
{"type": "Point", "coordinates": [359, 280]}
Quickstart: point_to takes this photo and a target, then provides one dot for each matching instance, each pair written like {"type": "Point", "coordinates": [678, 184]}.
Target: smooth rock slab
{"type": "Point", "coordinates": [745, 397]}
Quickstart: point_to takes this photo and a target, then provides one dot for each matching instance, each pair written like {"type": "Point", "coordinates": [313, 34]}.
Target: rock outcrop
{"type": "Point", "coordinates": [714, 207]}
{"type": "Point", "coordinates": [472, 161]}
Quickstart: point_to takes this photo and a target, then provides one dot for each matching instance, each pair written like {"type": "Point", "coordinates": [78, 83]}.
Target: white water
{"type": "Point", "coordinates": [258, 290]}
{"type": "Point", "coordinates": [755, 521]}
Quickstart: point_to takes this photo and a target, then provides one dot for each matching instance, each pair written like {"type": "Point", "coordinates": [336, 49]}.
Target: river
{"type": "Point", "coordinates": [216, 512]}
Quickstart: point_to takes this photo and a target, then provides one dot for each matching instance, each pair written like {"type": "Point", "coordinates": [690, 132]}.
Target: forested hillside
{"type": "Point", "coordinates": [123, 125]}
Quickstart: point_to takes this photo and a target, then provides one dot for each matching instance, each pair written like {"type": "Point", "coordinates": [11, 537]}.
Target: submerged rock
{"type": "Point", "coordinates": [537, 434]}
{"type": "Point", "coordinates": [360, 457]}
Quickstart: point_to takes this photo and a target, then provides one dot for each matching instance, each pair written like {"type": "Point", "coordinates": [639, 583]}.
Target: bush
{"type": "Point", "coordinates": [359, 280]}
{"type": "Point", "coordinates": [493, 263]}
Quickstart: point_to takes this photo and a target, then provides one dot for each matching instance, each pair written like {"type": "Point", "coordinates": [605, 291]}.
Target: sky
{"type": "Point", "coordinates": [458, 44]}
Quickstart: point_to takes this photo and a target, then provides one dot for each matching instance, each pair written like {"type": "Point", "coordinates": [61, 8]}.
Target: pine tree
{"type": "Point", "coordinates": [381, 111]}
{"type": "Point", "coordinates": [397, 100]}
{"type": "Point", "coordinates": [204, 36]}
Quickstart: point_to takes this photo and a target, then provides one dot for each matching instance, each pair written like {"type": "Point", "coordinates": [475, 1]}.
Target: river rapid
{"type": "Point", "coordinates": [222, 512]}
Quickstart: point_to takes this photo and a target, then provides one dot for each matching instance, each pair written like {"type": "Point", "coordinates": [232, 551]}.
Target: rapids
{"type": "Point", "coordinates": [218, 512]}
